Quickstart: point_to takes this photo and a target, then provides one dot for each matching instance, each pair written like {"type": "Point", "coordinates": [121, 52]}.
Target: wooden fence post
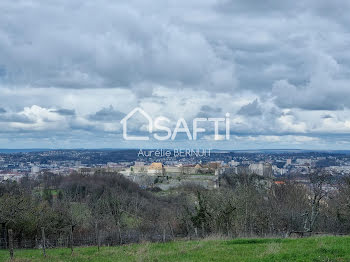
{"type": "Point", "coordinates": [97, 234]}
{"type": "Point", "coordinates": [171, 231]}
{"type": "Point", "coordinates": [11, 242]}
{"type": "Point", "coordinates": [43, 240]}
{"type": "Point", "coordinates": [203, 232]}
{"type": "Point", "coordinates": [164, 234]}
{"type": "Point", "coordinates": [71, 238]}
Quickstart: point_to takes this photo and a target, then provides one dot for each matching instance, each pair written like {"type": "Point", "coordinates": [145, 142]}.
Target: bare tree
{"type": "Point", "coordinates": [318, 182]}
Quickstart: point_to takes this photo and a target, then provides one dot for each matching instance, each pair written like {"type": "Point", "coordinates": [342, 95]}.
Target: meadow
{"type": "Point", "coordinates": [244, 250]}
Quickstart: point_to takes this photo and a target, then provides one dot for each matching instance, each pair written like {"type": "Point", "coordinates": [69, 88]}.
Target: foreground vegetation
{"type": "Point", "coordinates": [109, 209]}
{"type": "Point", "coordinates": [306, 249]}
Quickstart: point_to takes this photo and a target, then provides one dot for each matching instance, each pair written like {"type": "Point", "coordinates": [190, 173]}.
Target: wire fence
{"type": "Point", "coordinates": [70, 239]}
{"type": "Point", "coordinates": [98, 238]}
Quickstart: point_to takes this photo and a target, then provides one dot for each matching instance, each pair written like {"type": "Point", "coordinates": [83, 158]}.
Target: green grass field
{"type": "Point", "coordinates": [306, 249]}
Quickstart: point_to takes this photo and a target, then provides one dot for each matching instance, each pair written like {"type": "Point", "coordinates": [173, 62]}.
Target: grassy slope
{"type": "Point", "coordinates": [308, 249]}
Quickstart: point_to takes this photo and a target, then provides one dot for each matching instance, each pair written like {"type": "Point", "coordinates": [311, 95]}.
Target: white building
{"type": "Point", "coordinates": [35, 169]}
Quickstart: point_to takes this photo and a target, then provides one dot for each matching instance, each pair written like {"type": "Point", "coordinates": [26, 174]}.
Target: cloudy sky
{"type": "Point", "coordinates": [71, 70]}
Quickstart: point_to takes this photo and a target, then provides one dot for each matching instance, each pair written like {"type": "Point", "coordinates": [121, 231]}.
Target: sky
{"type": "Point", "coordinates": [71, 70]}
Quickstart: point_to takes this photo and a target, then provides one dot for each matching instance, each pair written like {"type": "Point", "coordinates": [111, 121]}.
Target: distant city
{"type": "Point", "coordinates": [169, 171]}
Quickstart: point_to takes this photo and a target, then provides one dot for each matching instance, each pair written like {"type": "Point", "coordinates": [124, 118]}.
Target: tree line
{"type": "Point", "coordinates": [243, 205]}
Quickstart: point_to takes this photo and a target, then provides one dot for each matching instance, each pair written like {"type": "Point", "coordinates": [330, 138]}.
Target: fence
{"type": "Point", "coordinates": [70, 239]}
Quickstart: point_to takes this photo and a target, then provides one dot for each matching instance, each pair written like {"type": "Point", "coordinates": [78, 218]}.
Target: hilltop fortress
{"type": "Point", "coordinates": [171, 176]}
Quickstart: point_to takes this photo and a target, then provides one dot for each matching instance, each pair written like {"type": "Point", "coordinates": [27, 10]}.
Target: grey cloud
{"type": "Point", "coordinates": [257, 7]}
{"type": "Point", "coordinates": [332, 9]}
{"type": "Point", "coordinates": [325, 89]}
{"type": "Point", "coordinates": [207, 108]}
{"type": "Point", "coordinates": [65, 112]}
{"type": "Point", "coordinates": [310, 98]}
{"type": "Point", "coordinates": [88, 127]}
{"type": "Point", "coordinates": [2, 110]}
{"type": "Point", "coordinates": [124, 45]}
{"type": "Point", "coordinates": [287, 53]}
{"type": "Point", "coordinates": [107, 114]}
{"type": "Point", "coordinates": [16, 118]}
{"type": "Point", "coordinates": [107, 44]}
{"type": "Point", "coordinates": [251, 109]}
{"type": "Point", "coordinates": [327, 116]}
{"type": "Point", "coordinates": [207, 111]}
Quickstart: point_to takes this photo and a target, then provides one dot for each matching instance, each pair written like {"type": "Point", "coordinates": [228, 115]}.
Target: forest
{"type": "Point", "coordinates": [108, 209]}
